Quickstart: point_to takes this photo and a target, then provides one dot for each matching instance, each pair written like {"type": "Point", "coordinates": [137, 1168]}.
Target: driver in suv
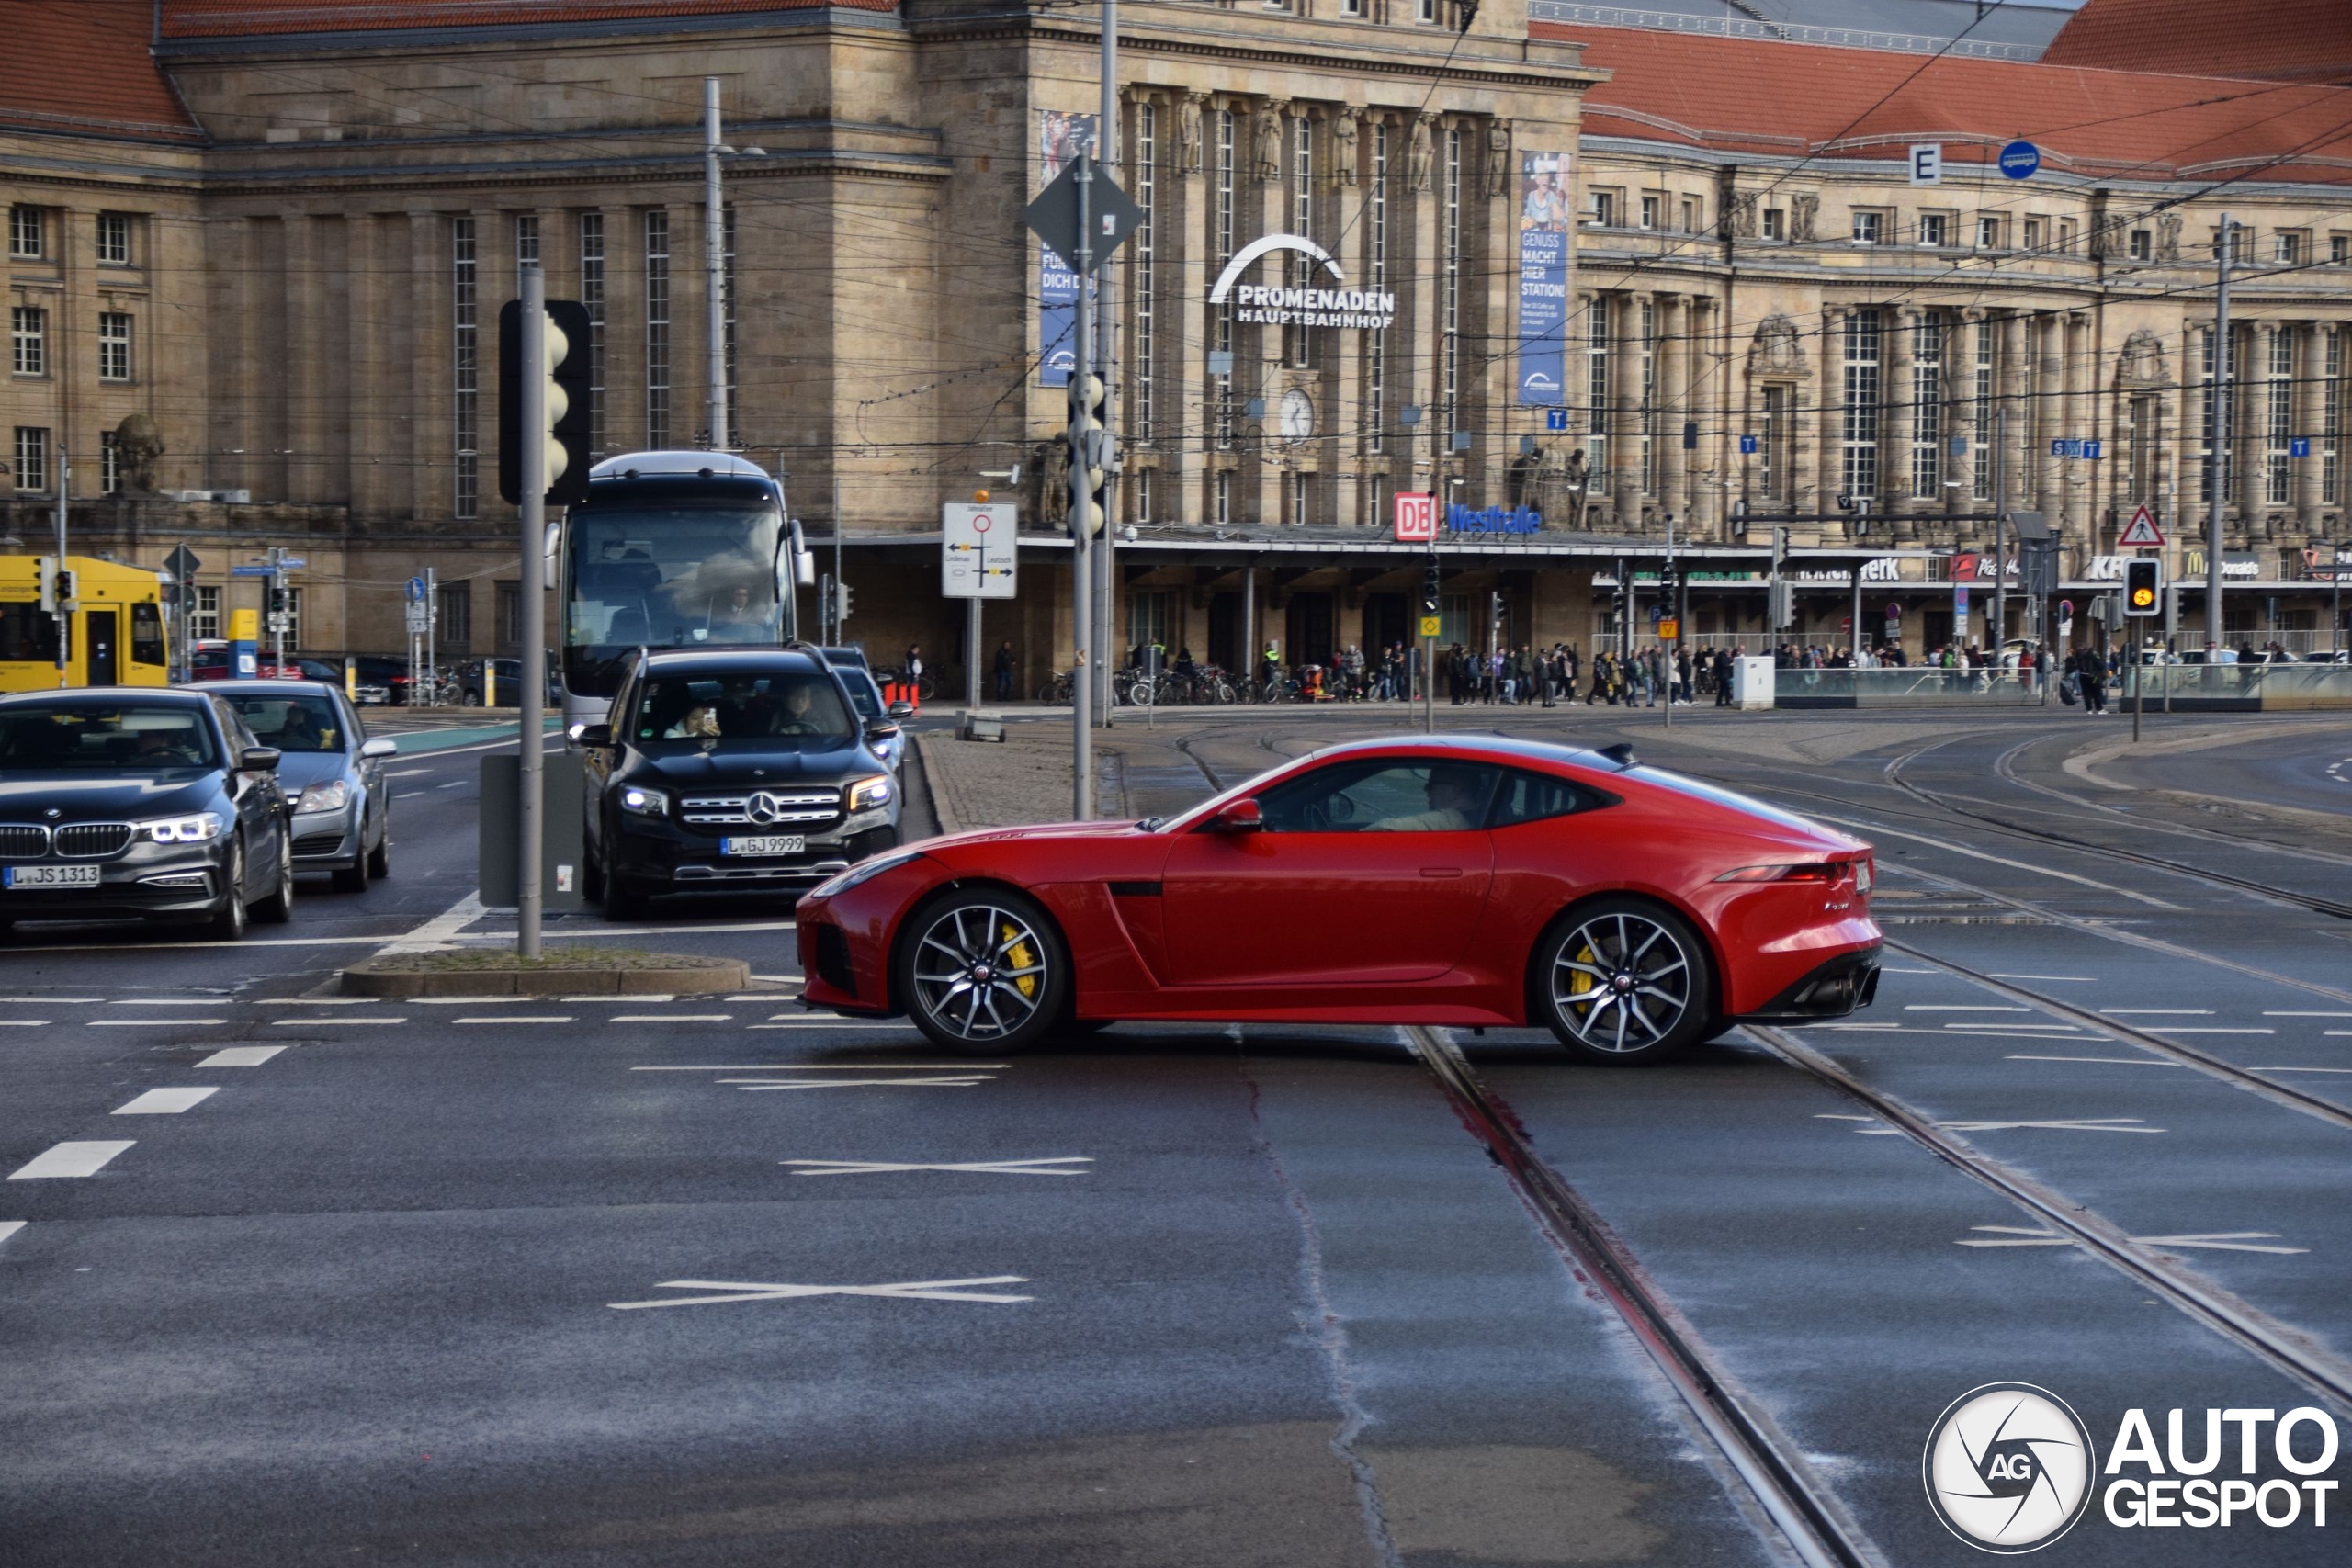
{"type": "Point", "coordinates": [731, 771]}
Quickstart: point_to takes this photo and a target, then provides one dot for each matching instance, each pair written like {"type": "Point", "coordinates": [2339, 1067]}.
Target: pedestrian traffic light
{"type": "Point", "coordinates": [2143, 586]}
{"type": "Point", "coordinates": [1430, 597]}
{"type": "Point", "coordinates": [571, 402]}
{"type": "Point", "coordinates": [1089, 454]}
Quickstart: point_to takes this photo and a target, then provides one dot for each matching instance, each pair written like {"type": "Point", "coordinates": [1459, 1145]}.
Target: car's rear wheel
{"type": "Point", "coordinates": [983, 970]}
{"type": "Point", "coordinates": [1623, 981]}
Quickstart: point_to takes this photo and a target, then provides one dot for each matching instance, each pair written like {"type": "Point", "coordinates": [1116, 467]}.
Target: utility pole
{"type": "Point", "coordinates": [529, 900]}
{"type": "Point", "coordinates": [2219, 475]}
{"type": "Point", "coordinates": [1106, 143]}
{"type": "Point", "coordinates": [64, 610]}
{"type": "Point", "coordinates": [714, 264]}
{"type": "Point", "coordinates": [1666, 601]}
{"type": "Point", "coordinates": [2000, 531]}
{"type": "Point", "coordinates": [833, 612]}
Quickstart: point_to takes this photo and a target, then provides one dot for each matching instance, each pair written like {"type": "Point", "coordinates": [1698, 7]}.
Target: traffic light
{"type": "Point", "coordinates": [278, 603]}
{"type": "Point", "coordinates": [45, 582]}
{"type": "Point", "coordinates": [2143, 586]}
{"type": "Point", "coordinates": [841, 604]}
{"type": "Point", "coordinates": [1782, 608]}
{"type": "Point", "coordinates": [571, 402]}
{"type": "Point", "coordinates": [1430, 597]}
{"type": "Point", "coordinates": [1090, 453]}
{"type": "Point", "coordinates": [63, 593]}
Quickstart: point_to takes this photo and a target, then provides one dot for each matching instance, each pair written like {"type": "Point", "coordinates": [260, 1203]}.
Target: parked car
{"type": "Point", "coordinates": [343, 803]}
{"type": "Point", "coordinates": [120, 803]}
{"type": "Point", "coordinates": [376, 674]}
{"type": "Point", "coordinates": [509, 689]}
{"type": "Point", "coordinates": [736, 770]}
{"type": "Point", "coordinates": [1459, 881]}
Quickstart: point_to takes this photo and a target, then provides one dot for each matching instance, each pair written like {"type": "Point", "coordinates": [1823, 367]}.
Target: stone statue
{"type": "Point", "coordinates": [1344, 147]}
{"type": "Point", "coordinates": [2141, 363]}
{"type": "Point", "coordinates": [1803, 206]}
{"type": "Point", "coordinates": [2168, 236]}
{"type": "Point", "coordinates": [1268, 136]}
{"type": "Point", "coordinates": [1049, 460]}
{"type": "Point", "coordinates": [1776, 350]}
{"type": "Point", "coordinates": [1550, 482]}
{"type": "Point", "coordinates": [137, 444]}
{"type": "Point", "coordinates": [1740, 217]}
{"type": "Point", "coordinates": [1421, 154]}
{"type": "Point", "coordinates": [1188, 134]}
{"type": "Point", "coordinates": [1498, 157]}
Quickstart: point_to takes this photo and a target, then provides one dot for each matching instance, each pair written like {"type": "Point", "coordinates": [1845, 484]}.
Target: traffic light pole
{"type": "Point", "coordinates": [58, 573]}
{"type": "Point", "coordinates": [534, 507]}
{"type": "Point", "coordinates": [2221, 474]}
{"type": "Point", "coordinates": [1429, 644]}
{"type": "Point", "coordinates": [1081, 502]}
{"type": "Point", "coordinates": [714, 262]}
{"type": "Point", "coordinates": [1106, 145]}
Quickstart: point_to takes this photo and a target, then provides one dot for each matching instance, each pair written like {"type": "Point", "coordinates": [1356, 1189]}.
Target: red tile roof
{"type": "Point", "coordinates": [2277, 41]}
{"type": "Point", "coordinates": [247, 18]}
{"type": "Point", "coordinates": [85, 69]}
{"type": "Point", "coordinates": [1739, 95]}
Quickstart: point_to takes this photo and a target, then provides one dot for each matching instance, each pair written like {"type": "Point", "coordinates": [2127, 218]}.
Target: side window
{"type": "Point", "coordinates": [1531, 798]}
{"type": "Point", "coordinates": [1390, 796]}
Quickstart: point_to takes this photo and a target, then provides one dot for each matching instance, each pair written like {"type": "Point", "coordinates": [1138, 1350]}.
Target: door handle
{"type": "Point", "coordinates": [1440, 871]}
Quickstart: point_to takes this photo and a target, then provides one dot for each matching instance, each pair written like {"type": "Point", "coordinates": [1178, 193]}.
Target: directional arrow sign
{"type": "Point", "coordinates": [1053, 217]}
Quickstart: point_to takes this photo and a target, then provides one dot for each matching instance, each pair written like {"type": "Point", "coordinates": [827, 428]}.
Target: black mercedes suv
{"type": "Point", "coordinates": [732, 771]}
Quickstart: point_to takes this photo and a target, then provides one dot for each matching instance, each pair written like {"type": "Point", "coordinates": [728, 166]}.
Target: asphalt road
{"type": "Point", "coordinates": [713, 1280]}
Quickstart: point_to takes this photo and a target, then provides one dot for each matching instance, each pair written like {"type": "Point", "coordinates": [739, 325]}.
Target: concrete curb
{"type": "Point", "coordinates": [942, 807]}
{"type": "Point", "coordinates": [402, 974]}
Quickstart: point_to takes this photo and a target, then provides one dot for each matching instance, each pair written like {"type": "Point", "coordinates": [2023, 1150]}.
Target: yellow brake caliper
{"type": "Point", "coordinates": [1578, 981]}
{"type": "Point", "coordinates": [1018, 954]}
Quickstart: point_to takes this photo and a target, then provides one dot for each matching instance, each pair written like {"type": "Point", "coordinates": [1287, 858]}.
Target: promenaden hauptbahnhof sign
{"type": "Point", "coordinates": [1261, 305]}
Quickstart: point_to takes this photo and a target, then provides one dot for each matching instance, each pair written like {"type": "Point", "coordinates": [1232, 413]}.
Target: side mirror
{"type": "Point", "coordinates": [880, 729]}
{"type": "Point", "coordinates": [1238, 816]}
{"type": "Point", "coordinates": [381, 746]}
{"type": "Point", "coordinates": [592, 734]}
{"type": "Point", "coordinates": [901, 710]}
{"type": "Point", "coordinates": [257, 760]}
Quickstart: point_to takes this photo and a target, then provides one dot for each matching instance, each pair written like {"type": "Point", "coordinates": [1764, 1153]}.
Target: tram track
{"type": "Point", "coordinates": [1807, 1513]}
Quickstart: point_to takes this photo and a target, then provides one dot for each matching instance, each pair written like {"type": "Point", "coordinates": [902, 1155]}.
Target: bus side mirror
{"type": "Point", "coordinates": [804, 565]}
{"type": "Point", "coordinates": [551, 548]}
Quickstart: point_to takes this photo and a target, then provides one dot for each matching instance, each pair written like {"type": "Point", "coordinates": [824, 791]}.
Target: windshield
{"type": "Point", "coordinates": [667, 576]}
{"type": "Point", "coordinates": [291, 723]}
{"type": "Point", "coordinates": [112, 739]}
{"type": "Point", "coordinates": [754, 707]}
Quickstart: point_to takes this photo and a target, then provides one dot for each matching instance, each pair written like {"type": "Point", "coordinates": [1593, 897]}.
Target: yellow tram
{"type": "Point", "coordinates": [114, 626]}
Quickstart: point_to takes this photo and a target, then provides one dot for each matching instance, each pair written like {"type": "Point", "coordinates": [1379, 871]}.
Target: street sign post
{"type": "Point", "coordinates": [1431, 625]}
{"type": "Point", "coordinates": [1928, 164]}
{"type": "Point", "coordinates": [1111, 216]}
{"type": "Point", "coordinates": [2141, 532]}
{"type": "Point", "coordinates": [978, 559]}
{"type": "Point", "coordinates": [2020, 160]}
{"type": "Point", "coordinates": [1416, 518]}
{"type": "Point", "coordinates": [1555, 420]}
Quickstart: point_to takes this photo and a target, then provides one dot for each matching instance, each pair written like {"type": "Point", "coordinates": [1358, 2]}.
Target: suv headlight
{"type": "Point", "coordinates": [193, 830]}
{"type": "Point", "coordinates": [644, 801]}
{"type": "Point", "coordinates": [333, 796]}
{"type": "Point", "coordinates": [867, 793]}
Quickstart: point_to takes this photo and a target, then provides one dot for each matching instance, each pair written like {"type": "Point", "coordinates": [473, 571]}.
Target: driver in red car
{"type": "Point", "coordinates": [1452, 796]}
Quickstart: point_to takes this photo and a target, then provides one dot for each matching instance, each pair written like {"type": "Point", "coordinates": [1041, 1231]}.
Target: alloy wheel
{"type": "Point", "coordinates": [980, 972]}
{"type": "Point", "coordinates": [1622, 982]}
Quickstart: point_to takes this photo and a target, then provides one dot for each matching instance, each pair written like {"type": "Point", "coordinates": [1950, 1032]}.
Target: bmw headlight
{"type": "Point", "coordinates": [868, 793]}
{"type": "Point", "coordinates": [644, 801]}
{"type": "Point", "coordinates": [864, 871]}
{"type": "Point", "coordinates": [333, 796]}
{"type": "Point", "coordinates": [193, 829]}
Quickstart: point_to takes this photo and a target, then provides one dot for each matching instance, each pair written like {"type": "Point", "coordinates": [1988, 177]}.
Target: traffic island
{"type": "Point", "coordinates": [558, 972]}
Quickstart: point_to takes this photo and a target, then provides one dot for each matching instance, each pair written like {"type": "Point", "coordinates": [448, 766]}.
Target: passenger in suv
{"type": "Point", "coordinates": [741, 771]}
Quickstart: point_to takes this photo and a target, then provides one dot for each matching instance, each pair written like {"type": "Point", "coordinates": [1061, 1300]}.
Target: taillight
{"type": "Point", "coordinates": [1809, 871]}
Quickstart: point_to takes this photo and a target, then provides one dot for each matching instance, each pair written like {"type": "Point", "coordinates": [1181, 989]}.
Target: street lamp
{"type": "Point", "coordinates": [714, 245]}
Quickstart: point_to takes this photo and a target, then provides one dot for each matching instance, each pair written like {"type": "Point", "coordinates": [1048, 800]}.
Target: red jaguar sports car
{"type": "Point", "coordinates": [1471, 881]}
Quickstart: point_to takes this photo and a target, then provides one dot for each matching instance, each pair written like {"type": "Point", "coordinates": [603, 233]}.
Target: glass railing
{"type": "Point", "coordinates": [2200, 685]}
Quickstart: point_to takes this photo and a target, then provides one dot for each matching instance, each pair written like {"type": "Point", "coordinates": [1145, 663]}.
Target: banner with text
{"type": "Point", "coordinates": [1544, 220]}
{"type": "Point", "coordinates": [1059, 138]}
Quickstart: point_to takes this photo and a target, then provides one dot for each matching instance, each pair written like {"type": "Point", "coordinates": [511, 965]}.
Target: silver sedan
{"type": "Point", "coordinates": [330, 772]}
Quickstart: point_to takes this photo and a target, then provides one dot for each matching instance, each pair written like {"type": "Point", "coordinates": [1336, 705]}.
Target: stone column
{"type": "Point", "coordinates": [2011, 378]}
{"type": "Point", "coordinates": [2311, 367]}
{"type": "Point", "coordinates": [430, 467]}
{"type": "Point", "coordinates": [1187, 259]}
{"type": "Point", "coordinates": [1828, 473]}
{"type": "Point", "coordinates": [301, 377]}
{"type": "Point", "coordinates": [1625, 414]}
{"type": "Point", "coordinates": [1340, 385]}
{"type": "Point", "coordinates": [2075, 345]}
{"type": "Point", "coordinates": [1897, 352]}
{"type": "Point", "coordinates": [1672, 405]}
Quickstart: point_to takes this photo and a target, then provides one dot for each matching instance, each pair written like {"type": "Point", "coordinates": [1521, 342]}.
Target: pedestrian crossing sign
{"type": "Point", "coordinates": [2140, 531]}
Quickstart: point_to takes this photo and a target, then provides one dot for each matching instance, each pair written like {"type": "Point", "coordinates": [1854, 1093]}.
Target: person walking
{"type": "Point", "coordinates": [1003, 667]}
{"type": "Point", "coordinates": [2092, 671]}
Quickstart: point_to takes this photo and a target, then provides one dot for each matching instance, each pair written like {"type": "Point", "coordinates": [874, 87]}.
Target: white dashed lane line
{"type": "Point", "coordinates": [514, 1018]}
{"type": "Point", "coordinates": [670, 1017]}
{"type": "Point", "coordinates": [24, 1023]}
{"type": "Point", "coordinates": [10, 1228]}
{"type": "Point", "coordinates": [84, 1157]}
{"type": "Point", "coordinates": [165, 1101]}
{"type": "Point", "coordinates": [334, 1020]}
{"type": "Point", "coordinates": [241, 1056]}
{"type": "Point", "coordinates": [152, 1022]}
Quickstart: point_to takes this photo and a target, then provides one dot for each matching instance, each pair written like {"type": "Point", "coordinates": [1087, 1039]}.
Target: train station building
{"type": "Point", "coordinates": [1573, 269]}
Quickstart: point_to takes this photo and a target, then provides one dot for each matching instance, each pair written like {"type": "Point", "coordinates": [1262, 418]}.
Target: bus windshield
{"type": "Point", "coordinates": [668, 576]}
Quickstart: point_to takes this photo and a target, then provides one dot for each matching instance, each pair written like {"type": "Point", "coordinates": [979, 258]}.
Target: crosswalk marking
{"type": "Point", "coordinates": [241, 1056]}
{"type": "Point", "coordinates": [82, 1157]}
{"type": "Point", "coordinates": [165, 1101]}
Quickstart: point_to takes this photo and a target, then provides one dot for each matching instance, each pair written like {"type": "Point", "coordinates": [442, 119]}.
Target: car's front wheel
{"type": "Point", "coordinates": [982, 971]}
{"type": "Point", "coordinates": [228, 923]}
{"type": "Point", "coordinates": [1623, 981]}
{"type": "Point", "coordinates": [278, 908]}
